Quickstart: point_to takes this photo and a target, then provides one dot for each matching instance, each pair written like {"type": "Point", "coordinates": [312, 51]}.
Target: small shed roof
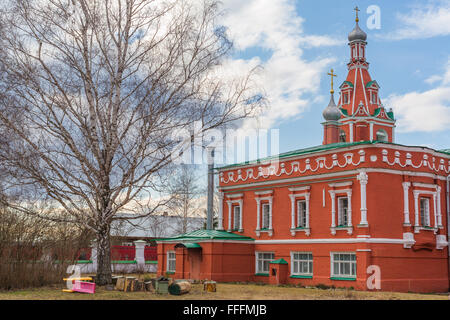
{"type": "Point", "coordinates": [279, 261]}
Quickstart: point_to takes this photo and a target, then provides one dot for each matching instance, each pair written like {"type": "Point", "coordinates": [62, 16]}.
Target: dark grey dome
{"type": "Point", "coordinates": [357, 34]}
{"type": "Point", "coordinates": [331, 113]}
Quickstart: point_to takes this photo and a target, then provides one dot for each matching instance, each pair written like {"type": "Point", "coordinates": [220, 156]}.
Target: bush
{"type": "Point", "coordinates": [35, 252]}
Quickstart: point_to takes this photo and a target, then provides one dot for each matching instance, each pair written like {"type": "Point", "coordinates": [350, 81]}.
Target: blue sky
{"type": "Point", "coordinates": [298, 41]}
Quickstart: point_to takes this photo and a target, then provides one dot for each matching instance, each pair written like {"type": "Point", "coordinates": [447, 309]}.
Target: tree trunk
{"type": "Point", "coordinates": [104, 274]}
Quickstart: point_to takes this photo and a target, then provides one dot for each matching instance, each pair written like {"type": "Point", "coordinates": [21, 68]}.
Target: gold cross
{"type": "Point", "coordinates": [332, 75]}
{"type": "Point", "coordinates": [357, 10]}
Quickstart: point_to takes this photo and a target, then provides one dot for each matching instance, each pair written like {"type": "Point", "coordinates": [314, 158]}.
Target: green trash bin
{"type": "Point", "coordinates": [162, 285]}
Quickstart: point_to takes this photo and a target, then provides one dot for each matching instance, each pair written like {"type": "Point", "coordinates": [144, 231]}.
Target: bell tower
{"type": "Point", "coordinates": [362, 114]}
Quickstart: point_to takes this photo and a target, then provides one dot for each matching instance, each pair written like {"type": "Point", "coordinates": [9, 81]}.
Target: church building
{"type": "Point", "coordinates": [357, 211]}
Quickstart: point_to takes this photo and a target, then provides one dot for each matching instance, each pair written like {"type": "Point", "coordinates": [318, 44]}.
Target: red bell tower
{"type": "Point", "coordinates": [362, 115]}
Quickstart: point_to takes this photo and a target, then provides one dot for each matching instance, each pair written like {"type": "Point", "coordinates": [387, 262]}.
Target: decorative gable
{"type": "Point", "coordinates": [372, 85]}
{"type": "Point", "coordinates": [346, 85]}
{"type": "Point", "coordinates": [361, 111]}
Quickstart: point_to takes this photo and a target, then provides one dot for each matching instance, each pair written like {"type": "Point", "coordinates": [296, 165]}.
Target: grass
{"type": "Point", "coordinates": [225, 291]}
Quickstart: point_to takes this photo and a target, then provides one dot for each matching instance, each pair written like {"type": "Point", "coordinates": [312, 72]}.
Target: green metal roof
{"type": "Point", "coordinates": [346, 82]}
{"type": "Point", "coordinates": [300, 152]}
{"type": "Point", "coordinates": [371, 82]}
{"type": "Point", "coordinates": [320, 148]}
{"type": "Point", "coordinates": [206, 235]}
{"type": "Point", "coordinates": [390, 114]}
{"type": "Point", "coordinates": [279, 261]}
{"type": "Point", "coordinates": [344, 111]}
{"type": "Point", "coordinates": [191, 245]}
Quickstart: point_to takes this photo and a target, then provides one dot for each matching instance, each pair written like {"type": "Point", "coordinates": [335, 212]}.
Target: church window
{"type": "Point", "coordinates": [302, 263]}
{"type": "Point", "coordinates": [345, 98]}
{"type": "Point", "coordinates": [301, 214]}
{"type": "Point", "coordinates": [171, 261]}
{"type": "Point", "coordinates": [263, 260]}
{"type": "Point", "coordinates": [373, 97]}
{"type": "Point", "coordinates": [342, 137]}
{"type": "Point", "coordinates": [265, 216]}
{"type": "Point", "coordinates": [237, 217]}
{"type": "Point", "coordinates": [382, 135]}
{"type": "Point", "coordinates": [343, 211]}
{"type": "Point", "coordinates": [425, 212]}
{"type": "Point", "coordinates": [343, 265]}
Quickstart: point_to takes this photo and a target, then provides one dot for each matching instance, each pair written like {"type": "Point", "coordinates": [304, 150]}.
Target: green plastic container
{"type": "Point", "coordinates": [162, 286]}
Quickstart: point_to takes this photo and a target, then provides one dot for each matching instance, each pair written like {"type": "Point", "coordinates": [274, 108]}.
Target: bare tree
{"type": "Point", "coordinates": [186, 199]}
{"type": "Point", "coordinates": [98, 87]}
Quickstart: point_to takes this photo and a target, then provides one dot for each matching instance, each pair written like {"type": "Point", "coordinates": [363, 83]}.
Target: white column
{"type": "Point", "coordinates": [351, 132]}
{"type": "Point", "coordinates": [139, 246]}
{"type": "Point", "coordinates": [371, 131]}
{"type": "Point", "coordinates": [439, 211]}
{"type": "Point", "coordinates": [416, 209]}
{"type": "Point", "coordinates": [363, 180]}
{"type": "Point", "coordinates": [220, 222]}
{"type": "Point", "coordinates": [270, 214]}
{"type": "Point", "coordinates": [333, 208]}
{"type": "Point", "coordinates": [307, 210]}
{"type": "Point", "coordinates": [258, 213]}
{"type": "Point", "coordinates": [292, 211]}
{"type": "Point", "coordinates": [229, 215]}
{"type": "Point", "coordinates": [435, 210]}
{"type": "Point", "coordinates": [241, 209]}
{"type": "Point", "coordinates": [349, 196]}
{"type": "Point", "coordinates": [406, 186]}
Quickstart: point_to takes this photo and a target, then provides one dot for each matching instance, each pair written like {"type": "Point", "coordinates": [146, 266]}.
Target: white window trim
{"type": "Point", "coordinates": [256, 261]}
{"type": "Point", "coordinates": [259, 212]}
{"type": "Point", "coordinates": [436, 209]}
{"type": "Point", "coordinates": [167, 261]}
{"type": "Point", "coordinates": [332, 275]}
{"type": "Point", "coordinates": [349, 227]}
{"type": "Point", "coordinates": [292, 263]}
{"type": "Point", "coordinates": [231, 214]}
{"type": "Point", "coordinates": [294, 213]}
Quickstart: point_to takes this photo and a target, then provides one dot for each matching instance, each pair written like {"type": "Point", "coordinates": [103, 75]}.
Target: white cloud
{"type": "Point", "coordinates": [287, 77]}
{"type": "Point", "coordinates": [424, 21]}
{"type": "Point", "coordinates": [424, 111]}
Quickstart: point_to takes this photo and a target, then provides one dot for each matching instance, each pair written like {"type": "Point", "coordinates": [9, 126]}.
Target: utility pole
{"type": "Point", "coordinates": [210, 213]}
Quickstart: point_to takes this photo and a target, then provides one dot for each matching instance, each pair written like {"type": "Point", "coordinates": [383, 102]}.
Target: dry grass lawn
{"type": "Point", "coordinates": [225, 291]}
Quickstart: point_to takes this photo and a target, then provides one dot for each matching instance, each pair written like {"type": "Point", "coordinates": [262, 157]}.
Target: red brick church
{"type": "Point", "coordinates": [355, 210]}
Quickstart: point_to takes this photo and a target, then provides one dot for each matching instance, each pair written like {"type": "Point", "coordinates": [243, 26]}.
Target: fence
{"type": "Point", "coordinates": [139, 257]}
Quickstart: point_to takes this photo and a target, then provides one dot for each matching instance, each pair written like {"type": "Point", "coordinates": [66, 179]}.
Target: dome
{"type": "Point", "coordinates": [357, 34]}
{"type": "Point", "coordinates": [331, 113]}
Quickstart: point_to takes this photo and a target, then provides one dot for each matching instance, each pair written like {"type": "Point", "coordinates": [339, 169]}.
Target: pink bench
{"type": "Point", "coordinates": [84, 287]}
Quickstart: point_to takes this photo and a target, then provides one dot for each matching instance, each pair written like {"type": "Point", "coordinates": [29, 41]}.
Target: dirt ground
{"type": "Point", "coordinates": [224, 291]}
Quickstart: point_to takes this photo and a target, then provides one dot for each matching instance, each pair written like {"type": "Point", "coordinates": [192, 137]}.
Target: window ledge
{"type": "Point", "coordinates": [348, 228]}
{"type": "Point", "coordinates": [170, 272]}
{"type": "Point", "coordinates": [299, 276]}
{"type": "Point", "coordinates": [307, 231]}
{"type": "Point", "coordinates": [417, 229]}
{"type": "Point", "coordinates": [261, 274]}
{"type": "Point", "coordinates": [269, 231]}
{"type": "Point", "coordinates": [343, 278]}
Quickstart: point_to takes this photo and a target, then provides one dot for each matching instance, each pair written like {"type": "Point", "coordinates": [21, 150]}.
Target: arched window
{"type": "Point", "coordinates": [382, 135]}
{"type": "Point", "coordinates": [342, 137]}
